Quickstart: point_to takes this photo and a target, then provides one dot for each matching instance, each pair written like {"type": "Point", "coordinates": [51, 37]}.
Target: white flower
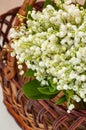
{"type": "Point", "coordinates": [49, 8]}
{"type": "Point", "coordinates": [69, 34]}
{"type": "Point", "coordinates": [13, 54]}
{"type": "Point", "coordinates": [60, 72]}
{"type": "Point", "coordinates": [41, 64]}
{"type": "Point", "coordinates": [21, 72]}
{"type": "Point", "coordinates": [21, 59]}
{"type": "Point", "coordinates": [81, 34]}
{"type": "Point", "coordinates": [53, 43]}
{"type": "Point", "coordinates": [71, 106]}
{"type": "Point", "coordinates": [82, 95]}
{"type": "Point", "coordinates": [84, 99]}
{"type": "Point", "coordinates": [59, 87]}
{"type": "Point", "coordinates": [75, 88]}
{"type": "Point", "coordinates": [68, 111]}
{"type": "Point", "coordinates": [77, 39]}
{"type": "Point", "coordinates": [65, 87]}
{"type": "Point", "coordinates": [75, 61]}
{"type": "Point", "coordinates": [58, 2]}
{"type": "Point", "coordinates": [78, 54]}
{"type": "Point", "coordinates": [68, 1]}
{"type": "Point", "coordinates": [52, 38]}
{"type": "Point", "coordinates": [78, 20]}
{"type": "Point", "coordinates": [54, 80]}
{"type": "Point", "coordinates": [20, 67]}
{"type": "Point", "coordinates": [83, 40]}
{"type": "Point", "coordinates": [72, 75]}
{"type": "Point", "coordinates": [70, 42]}
{"type": "Point", "coordinates": [13, 33]}
{"type": "Point", "coordinates": [44, 45]}
{"type": "Point", "coordinates": [70, 8]}
{"type": "Point", "coordinates": [83, 77]}
{"type": "Point", "coordinates": [43, 82]}
{"type": "Point", "coordinates": [76, 98]}
{"type": "Point", "coordinates": [68, 53]}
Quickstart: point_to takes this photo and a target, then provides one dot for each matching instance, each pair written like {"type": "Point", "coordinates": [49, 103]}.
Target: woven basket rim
{"type": "Point", "coordinates": [41, 114]}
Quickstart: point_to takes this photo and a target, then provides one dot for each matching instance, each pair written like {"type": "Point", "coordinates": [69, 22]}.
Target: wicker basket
{"type": "Point", "coordinates": [31, 114]}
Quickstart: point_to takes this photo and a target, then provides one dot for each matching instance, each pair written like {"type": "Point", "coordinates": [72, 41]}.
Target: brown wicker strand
{"type": "Point", "coordinates": [31, 114]}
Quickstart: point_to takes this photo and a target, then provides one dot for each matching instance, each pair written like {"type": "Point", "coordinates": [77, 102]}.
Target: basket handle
{"type": "Point", "coordinates": [22, 10]}
{"type": "Point", "coordinates": [23, 7]}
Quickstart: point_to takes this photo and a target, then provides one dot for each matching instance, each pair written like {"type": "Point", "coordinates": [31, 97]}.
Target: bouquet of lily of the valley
{"type": "Point", "coordinates": [52, 44]}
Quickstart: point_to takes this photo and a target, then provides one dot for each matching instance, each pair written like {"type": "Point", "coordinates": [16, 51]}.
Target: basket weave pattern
{"type": "Point", "coordinates": [31, 114]}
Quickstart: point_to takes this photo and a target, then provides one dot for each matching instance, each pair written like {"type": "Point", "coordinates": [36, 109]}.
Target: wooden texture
{"type": "Point", "coordinates": [31, 114]}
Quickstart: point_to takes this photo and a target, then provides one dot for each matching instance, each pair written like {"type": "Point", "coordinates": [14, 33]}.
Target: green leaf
{"type": "Point", "coordinates": [55, 7]}
{"type": "Point", "coordinates": [84, 6]}
{"type": "Point", "coordinates": [28, 8]}
{"type": "Point", "coordinates": [31, 90]}
{"type": "Point", "coordinates": [69, 94]}
{"type": "Point", "coordinates": [47, 2]}
{"type": "Point", "coordinates": [29, 73]}
{"type": "Point", "coordinates": [61, 100]}
{"type": "Point", "coordinates": [52, 87]}
{"type": "Point", "coordinates": [45, 90]}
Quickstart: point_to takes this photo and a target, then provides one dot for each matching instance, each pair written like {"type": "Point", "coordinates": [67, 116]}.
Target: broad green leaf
{"type": "Point", "coordinates": [47, 2]}
{"type": "Point", "coordinates": [61, 100]}
{"type": "Point", "coordinates": [45, 90]}
{"type": "Point", "coordinates": [31, 90]}
{"type": "Point", "coordinates": [84, 6]}
{"type": "Point", "coordinates": [28, 8]}
{"type": "Point", "coordinates": [29, 73]}
{"type": "Point", "coordinates": [52, 87]}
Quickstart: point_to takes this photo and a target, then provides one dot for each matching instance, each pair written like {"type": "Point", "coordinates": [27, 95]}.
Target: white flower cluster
{"type": "Point", "coordinates": [53, 43]}
{"type": "Point", "coordinates": [71, 106]}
